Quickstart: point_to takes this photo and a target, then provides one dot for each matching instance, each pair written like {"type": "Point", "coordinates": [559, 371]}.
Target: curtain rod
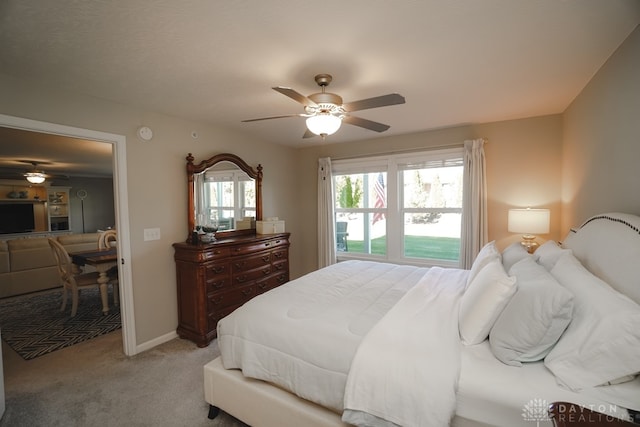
{"type": "Point", "coordinates": [407, 151]}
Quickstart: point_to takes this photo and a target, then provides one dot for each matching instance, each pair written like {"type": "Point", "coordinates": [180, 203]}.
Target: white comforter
{"type": "Point", "coordinates": [304, 335]}
{"type": "Point", "coordinates": [405, 371]}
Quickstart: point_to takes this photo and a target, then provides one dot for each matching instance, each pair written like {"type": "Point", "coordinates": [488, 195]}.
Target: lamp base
{"type": "Point", "coordinates": [529, 243]}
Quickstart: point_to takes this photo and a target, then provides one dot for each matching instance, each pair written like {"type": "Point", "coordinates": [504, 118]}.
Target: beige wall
{"type": "Point", "coordinates": [523, 169]}
{"type": "Point", "coordinates": [157, 183]}
{"type": "Point", "coordinates": [601, 167]}
{"type": "Point", "coordinates": [599, 136]}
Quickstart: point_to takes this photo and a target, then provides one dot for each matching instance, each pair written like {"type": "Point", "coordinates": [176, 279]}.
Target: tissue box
{"type": "Point", "coordinates": [245, 223]}
{"type": "Point", "coordinates": [269, 227]}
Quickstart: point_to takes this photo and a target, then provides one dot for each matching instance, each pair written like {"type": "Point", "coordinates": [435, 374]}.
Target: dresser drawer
{"type": "Point", "coordinates": [213, 270]}
{"type": "Point", "coordinates": [250, 263]}
{"type": "Point", "coordinates": [214, 316]}
{"type": "Point", "coordinates": [251, 275]}
{"type": "Point", "coordinates": [271, 282]}
{"type": "Point", "coordinates": [216, 253]}
{"type": "Point", "coordinates": [232, 297]}
{"type": "Point", "coordinates": [281, 266]}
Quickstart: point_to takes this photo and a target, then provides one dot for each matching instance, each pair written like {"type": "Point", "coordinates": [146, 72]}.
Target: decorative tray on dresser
{"type": "Point", "coordinates": [215, 278]}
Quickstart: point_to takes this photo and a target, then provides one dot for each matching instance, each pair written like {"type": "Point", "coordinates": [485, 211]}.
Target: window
{"type": "Point", "coordinates": [404, 208]}
{"type": "Point", "coordinates": [227, 196]}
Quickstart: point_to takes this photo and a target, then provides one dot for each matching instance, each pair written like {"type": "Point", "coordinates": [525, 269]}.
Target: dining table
{"type": "Point", "coordinates": [102, 260]}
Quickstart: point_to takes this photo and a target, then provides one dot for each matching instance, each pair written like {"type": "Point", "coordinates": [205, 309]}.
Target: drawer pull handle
{"type": "Point", "coordinates": [240, 264]}
{"type": "Point", "coordinates": [281, 278]}
{"type": "Point", "coordinates": [279, 266]}
{"type": "Point", "coordinates": [241, 278]}
{"type": "Point", "coordinates": [247, 292]}
{"type": "Point", "coordinates": [278, 254]}
{"type": "Point", "coordinates": [219, 284]}
{"type": "Point", "coordinates": [262, 285]}
{"type": "Point", "coordinates": [266, 271]}
{"type": "Point", "coordinates": [217, 301]}
{"type": "Point", "coordinates": [219, 269]}
{"type": "Point", "coordinates": [267, 244]}
{"type": "Point", "coordinates": [266, 258]}
{"type": "Point", "coordinates": [277, 241]}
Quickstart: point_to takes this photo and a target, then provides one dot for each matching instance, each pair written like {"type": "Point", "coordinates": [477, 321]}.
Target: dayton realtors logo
{"type": "Point", "coordinates": [536, 410]}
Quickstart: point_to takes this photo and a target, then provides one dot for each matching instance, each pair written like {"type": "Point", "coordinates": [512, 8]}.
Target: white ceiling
{"type": "Point", "coordinates": [455, 61]}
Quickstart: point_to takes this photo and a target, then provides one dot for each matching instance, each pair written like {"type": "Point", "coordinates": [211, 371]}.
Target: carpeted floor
{"type": "Point", "coordinates": [95, 384]}
{"type": "Point", "coordinates": [33, 325]}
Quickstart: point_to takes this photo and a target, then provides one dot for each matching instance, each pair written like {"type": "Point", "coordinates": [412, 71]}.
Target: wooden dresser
{"type": "Point", "coordinates": [216, 278]}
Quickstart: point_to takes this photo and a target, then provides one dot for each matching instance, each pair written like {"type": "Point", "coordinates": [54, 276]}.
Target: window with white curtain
{"type": "Point", "coordinates": [404, 208]}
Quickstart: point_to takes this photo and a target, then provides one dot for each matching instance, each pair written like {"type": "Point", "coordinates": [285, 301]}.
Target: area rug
{"type": "Point", "coordinates": [33, 325]}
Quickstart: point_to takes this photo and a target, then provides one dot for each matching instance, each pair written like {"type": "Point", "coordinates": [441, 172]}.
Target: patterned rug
{"type": "Point", "coordinates": [33, 325]}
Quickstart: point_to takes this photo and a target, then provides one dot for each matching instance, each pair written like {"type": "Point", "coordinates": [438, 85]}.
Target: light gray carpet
{"type": "Point", "coordinates": [95, 384]}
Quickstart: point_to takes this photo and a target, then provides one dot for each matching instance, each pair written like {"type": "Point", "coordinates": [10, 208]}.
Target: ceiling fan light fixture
{"type": "Point", "coordinates": [35, 177]}
{"type": "Point", "coordinates": [323, 124]}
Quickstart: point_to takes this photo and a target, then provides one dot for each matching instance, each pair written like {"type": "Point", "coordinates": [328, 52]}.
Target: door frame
{"type": "Point", "coordinates": [119, 165]}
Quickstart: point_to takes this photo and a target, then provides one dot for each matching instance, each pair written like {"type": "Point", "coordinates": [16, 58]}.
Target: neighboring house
{"type": "Point", "coordinates": [579, 162]}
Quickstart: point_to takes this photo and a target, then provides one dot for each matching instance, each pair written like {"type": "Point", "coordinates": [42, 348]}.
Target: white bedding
{"type": "Point", "coordinates": [281, 337]}
{"type": "Point", "coordinates": [406, 369]}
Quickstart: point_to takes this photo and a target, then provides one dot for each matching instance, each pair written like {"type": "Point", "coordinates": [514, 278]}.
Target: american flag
{"type": "Point", "coordinates": [381, 198]}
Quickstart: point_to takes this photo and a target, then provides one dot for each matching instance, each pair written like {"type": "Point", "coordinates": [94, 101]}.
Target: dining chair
{"type": "Point", "coordinates": [105, 239]}
{"type": "Point", "coordinates": [104, 242]}
{"type": "Point", "coordinates": [71, 281]}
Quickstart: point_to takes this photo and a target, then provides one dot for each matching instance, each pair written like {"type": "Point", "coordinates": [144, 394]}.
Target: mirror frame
{"type": "Point", "coordinates": [193, 169]}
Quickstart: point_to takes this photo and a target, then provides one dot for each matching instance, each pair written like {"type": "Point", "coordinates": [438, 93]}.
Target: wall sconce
{"type": "Point", "coordinates": [529, 222]}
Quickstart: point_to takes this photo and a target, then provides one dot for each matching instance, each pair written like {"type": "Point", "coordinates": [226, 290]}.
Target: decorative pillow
{"type": "Point", "coordinates": [602, 343]}
{"type": "Point", "coordinates": [486, 254]}
{"type": "Point", "coordinates": [483, 301]}
{"type": "Point", "coordinates": [534, 318]}
{"type": "Point", "coordinates": [548, 254]}
{"type": "Point", "coordinates": [512, 254]}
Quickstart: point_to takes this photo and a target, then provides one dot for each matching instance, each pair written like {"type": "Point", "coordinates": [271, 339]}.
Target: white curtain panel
{"type": "Point", "coordinates": [326, 227]}
{"type": "Point", "coordinates": [474, 213]}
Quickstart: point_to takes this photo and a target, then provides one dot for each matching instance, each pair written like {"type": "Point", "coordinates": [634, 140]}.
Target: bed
{"type": "Point", "coordinates": [364, 343]}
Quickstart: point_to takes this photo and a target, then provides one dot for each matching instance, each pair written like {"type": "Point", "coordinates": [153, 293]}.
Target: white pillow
{"type": "Point", "coordinates": [486, 254]}
{"type": "Point", "coordinates": [483, 301]}
{"type": "Point", "coordinates": [512, 254]}
{"type": "Point", "coordinates": [548, 254]}
{"type": "Point", "coordinates": [534, 318]}
{"type": "Point", "coordinates": [602, 343]}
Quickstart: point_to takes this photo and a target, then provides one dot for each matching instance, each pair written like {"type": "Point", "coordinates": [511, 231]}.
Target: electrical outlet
{"type": "Point", "coordinates": [151, 234]}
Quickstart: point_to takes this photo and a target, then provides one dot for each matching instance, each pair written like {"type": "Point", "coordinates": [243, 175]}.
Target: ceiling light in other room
{"type": "Point", "coordinates": [324, 124]}
{"type": "Point", "coordinates": [35, 177]}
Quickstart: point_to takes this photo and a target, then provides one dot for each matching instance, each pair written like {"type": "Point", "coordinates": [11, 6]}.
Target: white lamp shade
{"type": "Point", "coordinates": [529, 221]}
{"type": "Point", "coordinates": [324, 124]}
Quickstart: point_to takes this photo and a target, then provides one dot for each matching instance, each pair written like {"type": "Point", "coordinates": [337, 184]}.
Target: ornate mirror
{"type": "Point", "coordinates": [223, 190]}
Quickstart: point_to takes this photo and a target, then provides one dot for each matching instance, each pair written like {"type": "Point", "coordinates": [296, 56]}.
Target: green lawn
{"type": "Point", "coordinates": [415, 246]}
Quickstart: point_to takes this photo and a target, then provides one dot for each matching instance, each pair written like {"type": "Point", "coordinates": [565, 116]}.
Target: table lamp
{"type": "Point", "coordinates": [529, 222]}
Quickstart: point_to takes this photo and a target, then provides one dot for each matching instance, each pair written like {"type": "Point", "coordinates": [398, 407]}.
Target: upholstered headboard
{"type": "Point", "coordinates": [609, 246]}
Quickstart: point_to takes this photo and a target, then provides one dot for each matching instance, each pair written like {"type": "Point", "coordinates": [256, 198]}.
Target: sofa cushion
{"type": "Point", "coordinates": [26, 254]}
{"type": "Point", "coordinates": [4, 257]}
{"type": "Point", "coordinates": [79, 242]}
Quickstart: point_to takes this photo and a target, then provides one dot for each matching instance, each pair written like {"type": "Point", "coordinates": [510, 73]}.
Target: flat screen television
{"type": "Point", "coordinates": [16, 218]}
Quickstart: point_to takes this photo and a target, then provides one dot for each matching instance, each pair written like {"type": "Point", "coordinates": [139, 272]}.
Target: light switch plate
{"type": "Point", "coordinates": [151, 234]}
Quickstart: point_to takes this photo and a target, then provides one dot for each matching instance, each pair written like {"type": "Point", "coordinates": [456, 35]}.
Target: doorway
{"type": "Point", "coordinates": [118, 143]}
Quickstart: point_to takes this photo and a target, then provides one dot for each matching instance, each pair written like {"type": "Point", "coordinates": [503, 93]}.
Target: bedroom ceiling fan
{"type": "Point", "coordinates": [325, 111]}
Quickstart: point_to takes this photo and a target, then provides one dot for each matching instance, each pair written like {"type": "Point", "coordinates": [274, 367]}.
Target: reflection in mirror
{"type": "Point", "coordinates": [225, 194]}
{"type": "Point", "coordinates": [223, 190]}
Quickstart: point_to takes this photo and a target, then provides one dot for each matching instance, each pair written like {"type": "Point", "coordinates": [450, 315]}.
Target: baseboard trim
{"type": "Point", "coordinates": [156, 342]}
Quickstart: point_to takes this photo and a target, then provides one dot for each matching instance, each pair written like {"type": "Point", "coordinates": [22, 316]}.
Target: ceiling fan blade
{"type": "Point", "coordinates": [296, 96]}
{"type": "Point", "coordinates": [378, 101]}
{"type": "Point", "coordinates": [364, 123]}
{"type": "Point", "coordinates": [274, 117]}
{"type": "Point", "coordinates": [308, 134]}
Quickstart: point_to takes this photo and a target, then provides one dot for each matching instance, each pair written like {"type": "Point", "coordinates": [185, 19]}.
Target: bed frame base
{"type": "Point", "coordinates": [213, 412]}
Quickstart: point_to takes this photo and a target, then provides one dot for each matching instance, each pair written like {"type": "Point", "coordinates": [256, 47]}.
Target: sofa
{"type": "Point", "coordinates": [28, 265]}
